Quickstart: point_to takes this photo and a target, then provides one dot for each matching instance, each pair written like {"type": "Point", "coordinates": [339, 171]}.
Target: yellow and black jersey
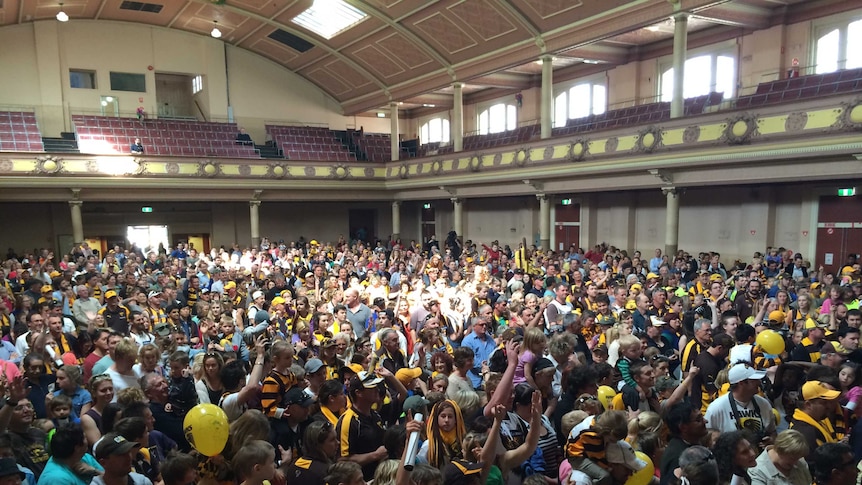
{"type": "Point", "coordinates": [359, 434]}
{"type": "Point", "coordinates": [117, 320]}
{"type": "Point", "coordinates": [272, 392]}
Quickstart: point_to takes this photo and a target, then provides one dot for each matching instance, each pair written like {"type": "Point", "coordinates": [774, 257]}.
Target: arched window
{"type": "Point", "coordinates": [837, 47]}
{"type": "Point", "coordinates": [704, 74]}
{"type": "Point", "coordinates": [579, 101]}
{"type": "Point", "coordinates": [435, 130]}
{"type": "Point", "coordinates": [498, 118]}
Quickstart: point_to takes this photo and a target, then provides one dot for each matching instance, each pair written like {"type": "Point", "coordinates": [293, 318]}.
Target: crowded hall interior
{"type": "Point", "coordinates": [430, 242]}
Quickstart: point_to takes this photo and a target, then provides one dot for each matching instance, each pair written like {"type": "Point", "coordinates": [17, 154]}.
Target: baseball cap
{"type": "Point", "coordinates": [9, 467]}
{"type": "Point", "coordinates": [816, 390]}
{"type": "Point", "coordinates": [350, 368]}
{"type": "Point", "coordinates": [652, 276]}
{"type": "Point", "coordinates": [656, 321]}
{"type": "Point", "coordinates": [204, 291]}
{"type": "Point", "coordinates": [459, 472]}
{"type": "Point", "coordinates": [742, 371]}
{"type": "Point", "coordinates": [327, 342]}
{"type": "Point", "coordinates": [406, 375]}
{"type": "Point", "coordinates": [606, 320]}
{"type": "Point", "coordinates": [366, 380]}
{"type": "Point", "coordinates": [257, 294]}
{"type": "Point", "coordinates": [313, 365]}
{"type": "Point", "coordinates": [154, 293]}
{"type": "Point", "coordinates": [415, 403]}
{"type": "Point", "coordinates": [777, 316]}
{"type": "Point", "coordinates": [230, 285]}
{"type": "Point", "coordinates": [622, 453]}
{"type": "Point", "coordinates": [162, 329]}
{"type": "Point", "coordinates": [541, 364]}
{"type": "Point", "coordinates": [261, 316]}
{"type": "Point", "coordinates": [113, 444]}
{"type": "Point", "coordinates": [812, 323]}
{"type": "Point", "coordinates": [47, 288]}
{"type": "Point", "coordinates": [295, 395]}
{"type": "Point", "coordinates": [715, 277]}
{"type": "Point", "coordinates": [636, 287]}
{"type": "Point", "coordinates": [110, 294]}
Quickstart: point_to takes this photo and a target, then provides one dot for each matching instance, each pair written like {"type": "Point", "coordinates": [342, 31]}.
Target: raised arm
{"type": "Point", "coordinates": [506, 384]}
{"type": "Point", "coordinates": [514, 458]}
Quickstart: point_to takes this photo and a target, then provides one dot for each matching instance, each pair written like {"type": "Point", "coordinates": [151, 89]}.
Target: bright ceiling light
{"type": "Point", "coordinates": [61, 15]}
{"type": "Point", "coordinates": [381, 115]}
{"type": "Point", "coordinates": [109, 99]}
{"type": "Point", "coordinates": [216, 33]}
{"type": "Point", "coordinates": [328, 18]}
{"type": "Point", "coordinates": [654, 28]}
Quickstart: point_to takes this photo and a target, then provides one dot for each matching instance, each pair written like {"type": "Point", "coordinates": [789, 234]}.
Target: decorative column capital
{"type": "Point", "coordinates": [456, 200]}
{"type": "Point", "coordinates": [396, 203]}
{"type": "Point", "coordinates": [542, 197]}
{"type": "Point", "coordinates": [76, 203]}
{"type": "Point", "coordinates": [680, 16]}
{"type": "Point", "coordinates": [675, 191]}
{"type": "Point", "coordinates": [254, 203]}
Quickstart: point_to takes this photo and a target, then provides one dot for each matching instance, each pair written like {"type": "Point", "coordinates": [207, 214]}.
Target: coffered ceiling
{"type": "Point", "coordinates": [411, 51]}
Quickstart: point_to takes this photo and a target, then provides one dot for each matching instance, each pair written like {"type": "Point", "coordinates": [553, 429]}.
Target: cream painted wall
{"type": "Point", "coordinates": [711, 219]}
{"type": "Point", "coordinates": [35, 59]}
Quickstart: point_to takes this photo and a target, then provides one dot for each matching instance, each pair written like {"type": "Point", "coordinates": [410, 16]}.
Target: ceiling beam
{"type": "Point", "coordinates": [318, 42]}
{"type": "Point", "coordinates": [505, 80]}
{"type": "Point", "coordinates": [737, 15]}
{"type": "Point", "coordinates": [257, 29]}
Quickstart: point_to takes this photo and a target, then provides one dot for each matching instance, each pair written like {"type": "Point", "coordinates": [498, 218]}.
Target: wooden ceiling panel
{"type": "Point", "coordinates": [377, 61]}
{"type": "Point", "coordinates": [47, 9]}
{"type": "Point", "coordinates": [483, 19]}
{"type": "Point", "coordinates": [404, 50]}
{"type": "Point", "coordinates": [9, 12]}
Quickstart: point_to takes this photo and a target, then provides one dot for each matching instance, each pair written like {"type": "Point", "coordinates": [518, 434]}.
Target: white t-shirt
{"type": "Point", "coordinates": [755, 416]}
{"type": "Point", "coordinates": [231, 406]}
{"type": "Point", "coordinates": [121, 381]}
{"type": "Point", "coordinates": [741, 353]}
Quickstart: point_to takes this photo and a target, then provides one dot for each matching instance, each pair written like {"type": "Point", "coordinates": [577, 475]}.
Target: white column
{"type": "Point", "coordinates": [671, 235]}
{"type": "Point", "coordinates": [547, 95]}
{"type": "Point", "coordinates": [77, 221]}
{"type": "Point", "coordinates": [458, 117]}
{"type": "Point", "coordinates": [253, 212]}
{"type": "Point", "coordinates": [544, 221]}
{"type": "Point", "coordinates": [396, 219]}
{"type": "Point", "coordinates": [680, 46]}
{"type": "Point", "coordinates": [396, 142]}
{"type": "Point", "coordinates": [458, 216]}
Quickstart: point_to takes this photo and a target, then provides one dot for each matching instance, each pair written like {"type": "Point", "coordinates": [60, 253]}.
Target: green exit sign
{"type": "Point", "coordinates": [848, 192]}
{"type": "Point", "coordinates": [146, 209]}
{"type": "Point", "coordinates": [566, 201]}
{"type": "Point", "coordinates": [426, 206]}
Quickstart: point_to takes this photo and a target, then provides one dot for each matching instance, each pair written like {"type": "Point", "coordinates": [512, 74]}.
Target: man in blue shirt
{"type": "Point", "coordinates": [481, 343]}
{"type": "Point", "coordinates": [656, 262]}
{"type": "Point", "coordinates": [70, 464]}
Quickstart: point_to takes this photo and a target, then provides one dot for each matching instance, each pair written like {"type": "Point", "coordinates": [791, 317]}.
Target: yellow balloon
{"type": "Point", "coordinates": [771, 342]}
{"type": "Point", "coordinates": [644, 476]}
{"type": "Point", "coordinates": [206, 428]}
{"type": "Point", "coordinates": [606, 394]}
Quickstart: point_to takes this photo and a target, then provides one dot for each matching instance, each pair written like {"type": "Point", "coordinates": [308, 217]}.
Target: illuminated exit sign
{"type": "Point", "coordinates": [849, 192]}
{"type": "Point", "coordinates": [146, 209]}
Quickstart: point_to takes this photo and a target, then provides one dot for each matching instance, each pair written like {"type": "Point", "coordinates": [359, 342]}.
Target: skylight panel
{"type": "Point", "coordinates": [328, 18]}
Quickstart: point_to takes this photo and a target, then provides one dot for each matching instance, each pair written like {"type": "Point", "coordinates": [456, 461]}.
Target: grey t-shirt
{"type": "Point", "coordinates": [358, 319]}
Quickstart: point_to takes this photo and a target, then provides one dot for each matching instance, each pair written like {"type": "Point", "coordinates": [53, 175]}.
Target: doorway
{"type": "Point", "coordinates": [567, 226]}
{"type": "Point", "coordinates": [362, 224]}
{"type": "Point", "coordinates": [429, 223]}
{"type": "Point", "coordinates": [201, 242]}
{"type": "Point", "coordinates": [148, 238]}
{"type": "Point", "coordinates": [174, 96]}
{"type": "Point", "coordinates": [839, 231]}
{"type": "Point", "coordinates": [110, 106]}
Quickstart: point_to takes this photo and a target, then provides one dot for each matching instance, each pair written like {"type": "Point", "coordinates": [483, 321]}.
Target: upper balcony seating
{"type": "Point", "coordinates": [19, 132]}
{"type": "Point", "coordinates": [309, 143]}
{"type": "Point", "coordinates": [376, 146]}
{"type": "Point", "coordinates": [804, 87]}
{"type": "Point", "coordinates": [101, 134]}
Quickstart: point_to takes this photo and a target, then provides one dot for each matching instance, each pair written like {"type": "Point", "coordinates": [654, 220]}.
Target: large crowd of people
{"type": "Point", "coordinates": [428, 363]}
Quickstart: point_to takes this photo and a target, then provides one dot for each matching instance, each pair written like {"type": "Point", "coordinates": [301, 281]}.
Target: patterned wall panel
{"type": "Point", "coordinates": [445, 33]}
{"type": "Point", "coordinates": [481, 17]}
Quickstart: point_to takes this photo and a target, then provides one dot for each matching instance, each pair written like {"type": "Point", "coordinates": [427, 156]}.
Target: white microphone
{"type": "Point", "coordinates": [412, 446]}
